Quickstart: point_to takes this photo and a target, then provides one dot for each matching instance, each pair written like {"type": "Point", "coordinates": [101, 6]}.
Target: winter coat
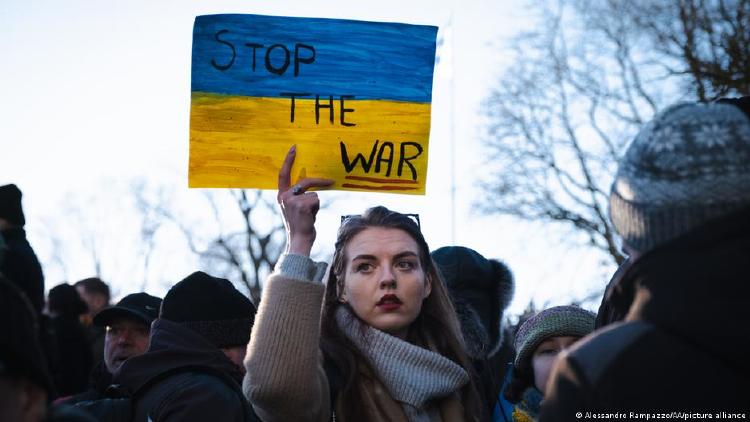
{"type": "Point", "coordinates": [95, 336]}
{"type": "Point", "coordinates": [99, 381]}
{"type": "Point", "coordinates": [480, 291]}
{"type": "Point", "coordinates": [74, 354]}
{"type": "Point", "coordinates": [21, 266]}
{"type": "Point", "coordinates": [682, 345]}
{"type": "Point", "coordinates": [195, 393]}
{"type": "Point", "coordinates": [286, 379]}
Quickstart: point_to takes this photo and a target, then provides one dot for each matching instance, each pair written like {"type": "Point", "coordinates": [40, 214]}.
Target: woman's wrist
{"type": "Point", "coordinates": [300, 245]}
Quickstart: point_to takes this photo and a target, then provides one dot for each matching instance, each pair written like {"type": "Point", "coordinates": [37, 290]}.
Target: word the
{"type": "Point", "coordinates": [342, 109]}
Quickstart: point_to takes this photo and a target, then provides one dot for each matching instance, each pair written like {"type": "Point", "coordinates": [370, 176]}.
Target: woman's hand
{"type": "Point", "coordinates": [298, 206]}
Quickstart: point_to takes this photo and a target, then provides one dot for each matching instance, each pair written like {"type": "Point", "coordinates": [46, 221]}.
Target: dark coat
{"type": "Point", "coordinates": [683, 344]}
{"type": "Point", "coordinates": [21, 266]}
{"type": "Point", "coordinates": [480, 290]}
{"type": "Point", "coordinates": [187, 395]}
{"type": "Point", "coordinates": [74, 353]}
{"type": "Point", "coordinates": [99, 381]}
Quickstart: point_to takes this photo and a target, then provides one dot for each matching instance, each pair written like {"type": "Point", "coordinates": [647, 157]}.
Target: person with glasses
{"type": "Point", "coordinates": [387, 343]}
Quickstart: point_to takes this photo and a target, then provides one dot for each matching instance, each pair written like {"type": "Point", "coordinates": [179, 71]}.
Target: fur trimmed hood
{"type": "Point", "coordinates": [480, 289]}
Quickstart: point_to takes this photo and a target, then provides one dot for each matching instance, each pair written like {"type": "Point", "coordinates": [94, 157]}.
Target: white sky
{"type": "Point", "coordinates": [97, 93]}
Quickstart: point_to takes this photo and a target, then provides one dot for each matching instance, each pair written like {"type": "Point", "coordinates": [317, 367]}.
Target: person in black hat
{"type": "Point", "coordinates": [19, 264]}
{"type": "Point", "coordinates": [196, 351]}
{"type": "Point", "coordinates": [127, 325]}
{"type": "Point", "coordinates": [480, 289]}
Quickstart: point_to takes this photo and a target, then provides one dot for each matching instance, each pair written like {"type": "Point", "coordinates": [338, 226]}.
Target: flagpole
{"type": "Point", "coordinates": [452, 130]}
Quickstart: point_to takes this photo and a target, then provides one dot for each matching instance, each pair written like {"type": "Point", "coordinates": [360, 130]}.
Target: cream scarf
{"type": "Point", "coordinates": [413, 376]}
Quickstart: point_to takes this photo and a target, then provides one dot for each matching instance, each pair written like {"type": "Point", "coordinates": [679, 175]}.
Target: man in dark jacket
{"type": "Point", "coordinates": [20, 264]}
{"type": "Point", "coordinates": [128, 325]}
{"type": "Point", "coordinates": [196, 352]}
{"type": "Point", "coordinates": [681, 203]}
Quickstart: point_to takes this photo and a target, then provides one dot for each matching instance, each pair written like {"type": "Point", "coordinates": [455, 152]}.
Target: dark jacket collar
{"type": "Point", "coordinates": [696, 288]}
{"type": "Point", "coordinates": [173, 346]}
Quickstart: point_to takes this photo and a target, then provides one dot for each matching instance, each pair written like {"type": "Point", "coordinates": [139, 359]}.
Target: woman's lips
{"type": "Point", "coordinates": [389, 306]}
{"type": "Point", "coordinates": [389, 302]}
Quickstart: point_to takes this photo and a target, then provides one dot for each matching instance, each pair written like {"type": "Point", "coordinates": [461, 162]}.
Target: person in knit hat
{"type": "Point", "coordinates": [197, 346]}
{"type": "Point", "coordinates": [538, 341]}
{"type": "Point", "coordinates": [680, 202]}
{"type": "Point", "coordinates": [19, 264]}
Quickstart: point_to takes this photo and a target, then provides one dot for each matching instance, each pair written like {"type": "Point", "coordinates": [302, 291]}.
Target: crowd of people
{"type": "Point", "coordinates": [392, 331]}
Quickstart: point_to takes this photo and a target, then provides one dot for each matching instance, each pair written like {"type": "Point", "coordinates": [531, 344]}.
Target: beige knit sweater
{"type": "Point", "coordinates": [285, 379]}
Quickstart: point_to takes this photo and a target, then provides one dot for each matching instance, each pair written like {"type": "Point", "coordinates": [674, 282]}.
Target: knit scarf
{"type": "Point", "coordinates": [412, 375]}
{"type": "Point", "coordinates": [527, 410]}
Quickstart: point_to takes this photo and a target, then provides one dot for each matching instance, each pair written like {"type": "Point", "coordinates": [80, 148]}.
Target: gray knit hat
{"type": "Point", "coordinates": [690, 164]}
{"type": "Point", "coordinates": [558, 321]}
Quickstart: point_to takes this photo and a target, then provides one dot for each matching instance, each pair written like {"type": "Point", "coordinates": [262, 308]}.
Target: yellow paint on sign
{"type": "Point", "coordinates": [240, 142]}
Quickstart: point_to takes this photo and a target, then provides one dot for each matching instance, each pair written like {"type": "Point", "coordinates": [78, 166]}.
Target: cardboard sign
{"type": "Point", "coordinates": [353, 96]}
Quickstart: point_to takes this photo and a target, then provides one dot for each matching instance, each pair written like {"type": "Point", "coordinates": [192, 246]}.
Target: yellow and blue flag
{"type": "Point", "coordinates": [353, 96]}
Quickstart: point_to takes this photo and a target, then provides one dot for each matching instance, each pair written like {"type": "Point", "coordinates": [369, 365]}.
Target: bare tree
{"type": "Point", "coordinates": [149, 203]}
{"type": "Point", "coordinates": [578, 91]}
{"type": "Point", "coordinates": [246, 252]}
{"type": "Point", "coordinates": [705, 40]}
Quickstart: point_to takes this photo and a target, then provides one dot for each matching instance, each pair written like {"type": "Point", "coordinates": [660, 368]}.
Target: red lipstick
{"type": "Point", "coordinates": [389, 302]}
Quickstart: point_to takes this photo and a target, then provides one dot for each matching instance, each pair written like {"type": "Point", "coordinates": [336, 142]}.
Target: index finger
{"type": "Point", "coordinates": [314, 182]}
{"type": "Point", "coordinates": [286, 169]}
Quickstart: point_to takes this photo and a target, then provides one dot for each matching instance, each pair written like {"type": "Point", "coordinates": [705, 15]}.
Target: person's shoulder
{"type": "Point", "coordinates": [199, 395]}
{"type": "Point", "coordinates": [209, 384]}
{"type": "Point", "coordinates": [597, 352]}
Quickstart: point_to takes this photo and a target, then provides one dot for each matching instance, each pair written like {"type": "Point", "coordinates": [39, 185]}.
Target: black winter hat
{"type": "Point", "coordinates": [480, 290]}
{"type": "Point", "coordinates": [10, 204]}
{"type": "Point", "coordinates": [140, 306]}
{"type": "Point", "coordinates": [211, 306]}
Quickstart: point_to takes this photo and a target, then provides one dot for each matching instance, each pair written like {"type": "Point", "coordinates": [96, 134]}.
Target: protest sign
{"type": "Point", "coordinates": [353, 96]}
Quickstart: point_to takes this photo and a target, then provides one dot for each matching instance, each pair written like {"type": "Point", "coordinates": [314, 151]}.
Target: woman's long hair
{"type": "Point", "coordinates": [436, 327]}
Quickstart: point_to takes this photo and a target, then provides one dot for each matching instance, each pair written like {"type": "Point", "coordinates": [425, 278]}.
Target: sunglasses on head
{"type": "Point", "coordinates": [412, 217]}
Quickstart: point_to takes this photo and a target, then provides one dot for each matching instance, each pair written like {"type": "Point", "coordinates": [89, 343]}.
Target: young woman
{"type": "Point", "coordinates": [387, 344]}
{"type": "Point", "coordinates": [538, 342]}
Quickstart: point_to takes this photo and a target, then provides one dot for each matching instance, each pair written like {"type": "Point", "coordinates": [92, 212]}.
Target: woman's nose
{"type": "Point", "coordinates": [387, 279]}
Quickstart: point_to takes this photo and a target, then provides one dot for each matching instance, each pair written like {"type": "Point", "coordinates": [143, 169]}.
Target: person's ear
{"type": "Point", "coordinates": [341, 292]}
{"type": "Point", "coordinates": [427, 287]}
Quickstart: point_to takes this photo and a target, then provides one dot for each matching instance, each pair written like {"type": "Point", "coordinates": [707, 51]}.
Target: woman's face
{"type": "Point", "coordinates": [544, 358]}
{"type": "Point", "coordinates": [384, 281]}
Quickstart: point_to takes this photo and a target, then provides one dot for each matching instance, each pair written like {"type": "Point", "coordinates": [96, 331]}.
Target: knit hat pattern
{"type": "Point", "coordinates": [10, 204]}
{"type": "Point", "coordinates": [557, 321]}
{"type": "Point", "coordinates": [212, 307]}
{"type": "Point", "coordinates": [690, 164]}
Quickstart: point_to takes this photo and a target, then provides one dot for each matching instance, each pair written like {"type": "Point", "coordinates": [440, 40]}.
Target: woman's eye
{"type": "Point", "coordinates": [405, 265]}
{"type": "Point", "coordinates": [551, 351]}
{"type": "Point", "coordinates": [363, 268]}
